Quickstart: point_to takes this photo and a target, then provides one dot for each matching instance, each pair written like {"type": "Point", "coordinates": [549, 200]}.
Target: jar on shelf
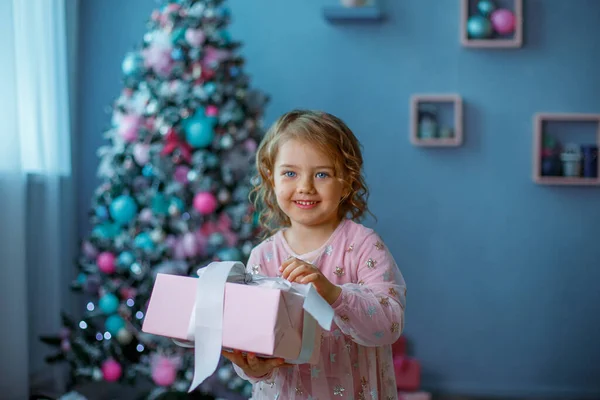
{"type": "Point", "coordinates": [590, 160]}
{"type": "Point", "coordinates": [550, 157]}
{"type": "Point", "coordinates": [571, 159]}
{"type": "Point", "coordinates": [428, 125]}
{"type": "Point", "coordinates": [446, 133]}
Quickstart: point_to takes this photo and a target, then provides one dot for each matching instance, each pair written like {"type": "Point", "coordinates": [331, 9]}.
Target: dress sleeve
{"type": "Point", "coordinates": [371, 311]}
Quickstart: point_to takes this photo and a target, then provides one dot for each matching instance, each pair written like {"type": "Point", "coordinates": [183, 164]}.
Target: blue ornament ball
{"type": "Point", "coordinates": [102, 212]}
{"type": "Point", "coordinates": [177, 203]}
{"type": "Point", "coordinates": [178, 35]}
{"type": "Point", "coordinates": [81, 278]}
{"type": "Point", "coordinates": [486, 7]}
{"type": "Point", "coordinates": [229, 254]}
{"type": "Point", "coordinates": [216, 239]}
{"type": "Point", "coordinates": [224, 12]}
{"type": "Point", "coordinates": [147, 171]}
{"type": "Point", "coordinates": [479, 27]}
{"type": "Point", "coordinates": [160, 205]}
{"type": "Point", "coordinates": [105, 231]}
{"type": "Point", "coordinates": [225, 36]}
{"type": "Point", "coordinates": [209, 88]}
{"type": "Point", "coordinates": [177, 54]}
{"type": "Point", "coordinates": [199, 130]}
{"type": "Point", "coordinates": [133, 65]}
{"type": "Point", "coordinates": [143, 241]}
{"type": "Point", "coordinates": [125, 259]}
{"type": "Point", "coordinates": [109, 303]}
{"type": "Point", "coordinates": [113, 324]}
{"type": "Point", "coordinates": [212, 160]}
{"type": "Point", "coordinates": [123, 209]}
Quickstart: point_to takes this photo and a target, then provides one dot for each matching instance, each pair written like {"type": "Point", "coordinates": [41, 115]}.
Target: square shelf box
{"type": "Point", "coordinates": [468, 8]}
{"type": "Point", "coordinates": [431, 106]}
{"type": "Point", "coordinates": [552, 163]}
{"type": "Point", "coordinates": [364, 14]}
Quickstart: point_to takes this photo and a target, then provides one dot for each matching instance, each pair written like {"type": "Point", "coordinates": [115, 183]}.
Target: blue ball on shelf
{"type": "Point", "coordinates": [486, 7]}
{"type": "Point", "coordinates": [479, 27]}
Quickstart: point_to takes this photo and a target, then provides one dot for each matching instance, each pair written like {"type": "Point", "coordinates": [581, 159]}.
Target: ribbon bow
{"type": "Point", "coordinates": [206, 325]}
{"type": "Point", "coordinates": [173, 142]}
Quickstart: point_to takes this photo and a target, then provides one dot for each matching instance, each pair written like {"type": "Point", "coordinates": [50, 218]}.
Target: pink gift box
{"type": "Point", "coordinates": [414, 396]}
{"type": "Point", "coordinates": [399, 347]}
{"type": "Point", "coordinates": [408, 373]}
{"type": "Point", "coordinates": [261, 320]}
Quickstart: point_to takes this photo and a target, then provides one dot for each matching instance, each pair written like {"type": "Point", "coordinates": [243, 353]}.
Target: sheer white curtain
{"type": "Point", "coordinates": [36, 200]}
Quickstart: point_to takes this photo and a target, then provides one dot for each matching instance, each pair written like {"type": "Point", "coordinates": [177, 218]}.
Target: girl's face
{"type": "Point", "coordinates": [306, 187]}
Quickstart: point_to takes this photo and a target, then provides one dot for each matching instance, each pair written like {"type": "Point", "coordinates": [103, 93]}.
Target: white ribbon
{"type": "Point", "coordinates": [206, 325]}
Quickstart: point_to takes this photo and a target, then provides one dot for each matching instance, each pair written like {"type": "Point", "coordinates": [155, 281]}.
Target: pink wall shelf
{"type": "Point", "coordinates": [515, 41]}
{"type": "Point", "coordinates": [538, 143]}
{"type": "Point", "coordinates": [420, 103]}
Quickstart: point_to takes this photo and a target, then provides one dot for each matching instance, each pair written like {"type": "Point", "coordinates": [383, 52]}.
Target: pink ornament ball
{"type": "Point", "coordinates": [111, 370]}
{"type": "Point", "coordinates": [181, 174]}
{"type": "Point", "coordinates": [503, 21]}
{"type": "Point", "coordinates": [212, 111]}
{"type": "Point", "coordinates": [164, 373]}
{"type": "Point", "coordinates": [195, 37]}
{"type": "Point", "coordinates": [189, 244]}
{"type": "Point", "coordinates": [89, 250]}
{"type": "Point", "coordinates": [106, 262]}
{"type": "Point", "coordinates": [141, 153]}
{"type": "Point", "coordinates": [205, 203]}
{"type": "Point", "coordinates": [130, 125]}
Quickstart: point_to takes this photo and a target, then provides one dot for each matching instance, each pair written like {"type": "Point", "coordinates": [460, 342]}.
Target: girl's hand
{"type": "Point", "coordinates": [254, 367]}
{"type": "Point", "coordinates": [296, 270]}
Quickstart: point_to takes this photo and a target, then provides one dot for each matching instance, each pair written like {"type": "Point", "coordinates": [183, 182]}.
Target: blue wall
{"type": "Point", "coordinates": [503, 274]}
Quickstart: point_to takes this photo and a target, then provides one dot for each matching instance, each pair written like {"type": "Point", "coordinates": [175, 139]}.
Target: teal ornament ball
{"type": "Point", "coordinates": [177, 203]}
{"type": "Point", "coordinates": [199, 130]}
{"type": "Point", "coordinates": [123, 209]}
{"type": "Point", "coordinates": [109, 303]}
{"type": "Point", "coordinates": [105, 231]}
{"type": "Point", "coordinates": [143, 241]}
{"type": "Point", "coordinates": [229, 254]}
{"type": "Point", "coordinates": [486, 7]}
{"type": "Point", "coordinates": [178, 35]}
{"type": "Point", "coordinates": [125, 259]}
{"type": "Point", "coordinates": [114, 324]}
{"type": "Point", "coordinates": [133, 65]}
{"type": "Point", "coordinates": [479, 27]}
{"type": "Point", "coordinates": [160, 205]}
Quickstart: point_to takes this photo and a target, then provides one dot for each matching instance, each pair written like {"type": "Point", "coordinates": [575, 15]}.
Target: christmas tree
{"type": "Point", "coordinates": [175, 178]}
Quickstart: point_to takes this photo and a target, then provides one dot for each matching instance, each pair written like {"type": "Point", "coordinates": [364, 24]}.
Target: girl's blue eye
{"type": "Point", "coordinates": [289, 174]}
{"type": "Point", "coordinates": [322, 174]}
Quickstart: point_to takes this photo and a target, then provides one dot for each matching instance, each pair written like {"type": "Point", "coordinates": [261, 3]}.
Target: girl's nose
{"type": "Point", "coordinates": [306, 185]}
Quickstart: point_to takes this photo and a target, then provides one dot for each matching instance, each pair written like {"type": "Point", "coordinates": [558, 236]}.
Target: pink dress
{"type": "Point", "coordinates": [356, 356]}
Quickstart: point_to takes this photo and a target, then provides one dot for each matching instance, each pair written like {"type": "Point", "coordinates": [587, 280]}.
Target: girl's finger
{"type": "Point", "coordinates": [310, 278]}
{"type": "Point", "coordinates": [291, 266]}
{"type": "Point", "coordinates": [236, 357]}
{"type": "Point", "coordinates": [252, 361]}
{"type": "Point", "coordinates": [287, 262]}
{"type": "Point", "coordinates": [299, 272]}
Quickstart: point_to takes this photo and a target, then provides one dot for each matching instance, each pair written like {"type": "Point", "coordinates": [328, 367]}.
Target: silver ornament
{"type": "Point", "coordinates": [192, 175]}
{"type": "Point", "coordinates": [224, 196]}
{"type": "Point", "coordinates": [226, 142]}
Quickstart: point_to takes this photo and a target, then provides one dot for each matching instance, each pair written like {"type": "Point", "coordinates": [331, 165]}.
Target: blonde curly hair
{"type": "Point", "coordinates": [330, 135]}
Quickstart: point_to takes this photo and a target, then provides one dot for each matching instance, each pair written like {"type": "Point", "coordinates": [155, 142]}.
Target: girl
{"type": "Point", "coordinates": [311, 192]}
